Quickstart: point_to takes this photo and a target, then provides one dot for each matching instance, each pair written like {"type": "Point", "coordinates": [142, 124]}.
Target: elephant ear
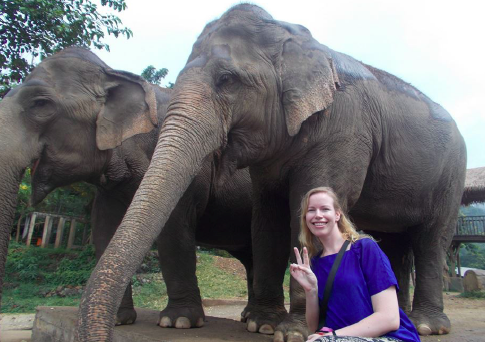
{"type": "Point", "coordinates": [308, 78]}
{"type": "Point", "coordinates": [130, 108]}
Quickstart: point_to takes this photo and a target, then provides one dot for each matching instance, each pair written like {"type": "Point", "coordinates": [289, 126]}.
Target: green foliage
{"type": "Point", "coordinates": [473, 294]}
{"type": "Point", "coordinates": [215, 283]}
{"type": "Point", "coordinates": [150, 263]}
{"type": "Point", "coordinates": [25, 191]}
{"type": "Point", "coordinates": [75, 269]}
{"type": "Point", "coordinates": [46, 269]}
{"type": "Point", "coordinates": [472, 255]}
{"type": "Point", "coordinates": [153, 75]}
{"type": "Point", "coordinates": [151, 294]}
{"type": "Point", "coordinates": [472, 210]}
{"type": "Point", "coordinates": [33, 272]}
{"type": "Point", "coordinates": [215, 251]}
{"type": "Point", "coordinates": [25, 264]}
{"type": "Point", "coordinates": [36, 28]}
{"type": "Point", "coordinates": [25, 297]}
{"type": "Point", "coordinates": [72, 200]}
{"type": "Point", "coordinates": [51, 266]}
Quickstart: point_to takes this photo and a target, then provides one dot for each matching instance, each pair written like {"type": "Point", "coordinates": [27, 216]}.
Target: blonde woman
{"type": "Point", "coordinates": [362, 305]}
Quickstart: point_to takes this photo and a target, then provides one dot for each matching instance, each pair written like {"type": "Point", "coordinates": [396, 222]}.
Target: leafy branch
{"type": "Point", "coordinates": [31, 29]}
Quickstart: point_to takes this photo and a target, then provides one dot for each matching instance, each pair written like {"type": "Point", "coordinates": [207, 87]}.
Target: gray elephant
{"type": "Point", "coordinates": [76, 119]}
{"type": "Point", "coordinates": [263, 93]}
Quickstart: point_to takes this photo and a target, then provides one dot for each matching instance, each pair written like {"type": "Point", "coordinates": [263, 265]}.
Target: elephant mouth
{"type": "Point", "coordinates": [39, 181]}
{"type": "Point", "coordinates": [35, 164]}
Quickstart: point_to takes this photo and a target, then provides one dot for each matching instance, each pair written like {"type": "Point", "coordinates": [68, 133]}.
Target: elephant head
{"type": "Point", "coordinates": [62, 121]}
{"type": "Point", "coordinates": [249, 84]}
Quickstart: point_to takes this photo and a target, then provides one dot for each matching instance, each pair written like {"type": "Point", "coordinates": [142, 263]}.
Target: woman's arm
{"type": "Point", "coordinates": [384, 319]}
{"type": "Point", "coordinates": [312, 310]}
{"type": "Point", "coordinates": [307, 279]}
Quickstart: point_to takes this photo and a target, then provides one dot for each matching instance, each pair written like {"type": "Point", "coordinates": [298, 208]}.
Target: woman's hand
{"type": "Point", "coordinates": [302, 271]}
{"type": "Point", "coordinates": [313, 337]}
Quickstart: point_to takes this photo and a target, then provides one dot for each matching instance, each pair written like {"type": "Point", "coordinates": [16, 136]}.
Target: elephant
{"type": "Point", "coordinates": [264, 94]}
{"type": "Point", "coordinates": [76, 119]}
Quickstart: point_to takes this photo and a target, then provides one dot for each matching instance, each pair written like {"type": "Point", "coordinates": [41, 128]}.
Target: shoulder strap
{"type": "Point", "coordinates": [329, 285]}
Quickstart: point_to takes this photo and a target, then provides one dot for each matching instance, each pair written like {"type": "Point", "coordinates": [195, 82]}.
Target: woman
{"type": "Point", "coordinates": [362, 305]}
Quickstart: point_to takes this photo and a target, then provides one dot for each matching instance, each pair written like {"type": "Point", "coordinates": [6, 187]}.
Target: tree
{"type": "Point", "coordinates": [472, 210]}
{"type": "Point", "coordinates": [473, 255]}
{"type": "Point", "coordinates": [75, 199]}
{"type": "Point", "coordinates": [153, 75]}
{"type": "Point", "coordinates": [36, 28]}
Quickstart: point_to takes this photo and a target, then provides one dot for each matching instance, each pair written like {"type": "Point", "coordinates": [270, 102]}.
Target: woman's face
{"type": "Point", "coordinates": [321, 217]}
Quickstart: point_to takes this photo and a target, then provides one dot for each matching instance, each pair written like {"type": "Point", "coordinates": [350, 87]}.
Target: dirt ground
{"type": "Point", "coordinates": [467, 320]}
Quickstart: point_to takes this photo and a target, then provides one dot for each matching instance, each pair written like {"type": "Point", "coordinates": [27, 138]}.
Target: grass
{"type": "Point", "coordinates": [26, 297]}
{"type": "Point", "coordinates": [213, 283]}
{"type": "Point", "coordinates": [33, 272]}
{"type": "Point", "coordinates": [473, 295]}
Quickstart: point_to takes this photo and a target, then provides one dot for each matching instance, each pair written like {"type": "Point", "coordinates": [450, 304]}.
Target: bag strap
{"type": "Point", "coordinates": [329, 285]}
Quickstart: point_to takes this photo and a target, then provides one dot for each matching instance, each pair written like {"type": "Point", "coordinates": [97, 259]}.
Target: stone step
{"type": "Point", "coordinates": [57, 324]}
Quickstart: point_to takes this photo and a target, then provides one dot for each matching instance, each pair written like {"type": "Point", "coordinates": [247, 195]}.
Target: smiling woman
{"type": "Point", "coordinates": [363, 303]}
{"type": "Point", "coordinates": [321, 216]}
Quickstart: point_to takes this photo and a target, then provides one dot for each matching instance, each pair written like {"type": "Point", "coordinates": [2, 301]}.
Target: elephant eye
{"type": "Point", "coordinates": [42, 108]}
{"type": "Point", "coordinates": [224, 79]}
{"type": "Point", "coordinates": [41, 103]}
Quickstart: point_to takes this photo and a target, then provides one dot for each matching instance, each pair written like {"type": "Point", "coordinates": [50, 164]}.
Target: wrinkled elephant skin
{"type": "Point", "coordinates": [263, 93]}
{"type": "Point", "coordinates": [77, 119]}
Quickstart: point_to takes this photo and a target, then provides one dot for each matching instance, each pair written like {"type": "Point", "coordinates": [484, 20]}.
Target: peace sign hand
{"type": "Point", "coordinates": [302, 271]}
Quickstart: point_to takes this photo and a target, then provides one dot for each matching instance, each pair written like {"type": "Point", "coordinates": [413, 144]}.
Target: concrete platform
{"type": "Point", "coordinates": [16, 328]}
{"type": "Point", "coordinates": [56, 324]}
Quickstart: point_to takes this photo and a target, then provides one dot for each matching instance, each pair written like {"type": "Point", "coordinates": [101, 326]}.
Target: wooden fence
{"type": "Point", "coordinates": [31, 220]}
{"type": "Point", "coordinates": [470, 229]}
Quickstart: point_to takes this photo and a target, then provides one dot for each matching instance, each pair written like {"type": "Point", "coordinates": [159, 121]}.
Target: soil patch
{"type": "Point", "coordinates": [467, 320]}
{"type": "Point", "coordinates": [230, 265]}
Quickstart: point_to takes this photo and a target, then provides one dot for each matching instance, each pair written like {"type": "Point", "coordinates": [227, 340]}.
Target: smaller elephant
{"type": "Point", "coordinates": [76, 119]}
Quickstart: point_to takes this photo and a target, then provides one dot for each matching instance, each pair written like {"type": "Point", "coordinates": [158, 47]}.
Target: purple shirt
{"type": "Point", "coordinates": [364, 271]}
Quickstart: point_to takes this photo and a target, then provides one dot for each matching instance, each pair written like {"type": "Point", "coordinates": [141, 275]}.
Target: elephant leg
{"type": "Point", "coordinates": [429, 255]}
{"type": "Point", "coordinates": [106, 217]}
{"type": "Point", "coordinates": [176, 248]}
{"type": "Point", "coordinates": [271, 244]}
{"type": "Point", "coordinates": [294, 328]}
{"type": "Point", "coordinates": [397, 247]}
{"type": "Point", "coordinates": [246, 258]}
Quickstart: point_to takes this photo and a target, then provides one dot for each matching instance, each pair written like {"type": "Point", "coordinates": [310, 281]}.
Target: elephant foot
{"type": "Point", "coordinates": [264, 321]}
{"type": "Point", "coordinates": [181, 318]}
{"type": "Point", "coordinates": [292, 329]}
{"type": "Point", "coordinates": [246, 312]}
{"type": "Point", "coordinates": [125, 316]}
{"type": "Point", "coordinates": [430, 324]}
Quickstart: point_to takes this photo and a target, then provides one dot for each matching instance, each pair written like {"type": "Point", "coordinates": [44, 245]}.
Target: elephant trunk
{"type": "Point", "coordinates": [190, 133]}
{"type": "Point", "coordinates": [16, 153]}
{"type": "Point", "coordinates": [9, 180]}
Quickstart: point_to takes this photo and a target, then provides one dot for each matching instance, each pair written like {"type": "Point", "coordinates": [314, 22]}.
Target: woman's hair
{"type": "Point", "coordinates": [308, 240]}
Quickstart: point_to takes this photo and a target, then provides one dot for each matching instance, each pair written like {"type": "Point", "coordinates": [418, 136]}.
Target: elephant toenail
{"type": "Point", "coordinates": [295, 337]}
{"type": "Point", "coordinates": [279, 336]}
{"type": "Point", "coordinates": [165, 322]}
{"type": "Point", "coordinates": [182, 323]}
{"type": "Point", "coordinates": [266, 329]}
{"type": "Point", "coordinates": [252, 326]}
{"type": "Point", "coordinates": [200, 323]}
{"type": "Point", "coordinates": [424, 329]}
